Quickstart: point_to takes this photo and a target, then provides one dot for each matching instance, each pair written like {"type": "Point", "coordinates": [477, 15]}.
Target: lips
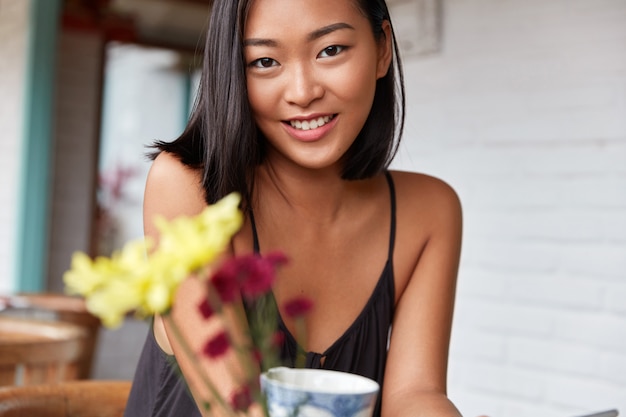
{"type": "Point", "coordinates": [310, 124]}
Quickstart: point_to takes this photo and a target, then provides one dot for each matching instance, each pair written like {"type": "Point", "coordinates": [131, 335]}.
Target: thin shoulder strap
{"type": "Point", "coordinates": [392, 227]}
{"type": "Point", "coordinates": [255, 236]}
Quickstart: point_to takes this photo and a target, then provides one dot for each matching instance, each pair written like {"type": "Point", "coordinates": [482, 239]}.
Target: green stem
{"type": "Point", "coordinates": [244, 354]}
{"type": "Point", "coordinates": [300, 342]}
{"type": "Point", "coordinates": [190, 353]}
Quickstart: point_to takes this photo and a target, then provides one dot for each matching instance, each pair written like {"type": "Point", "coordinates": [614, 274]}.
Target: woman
{"type": "Point", "coordinates": [297, 111]}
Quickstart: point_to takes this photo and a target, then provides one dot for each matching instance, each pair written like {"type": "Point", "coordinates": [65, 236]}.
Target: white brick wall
{"type": "Point", "coordinates": [13, 56]}
{"type": "Point", "coordinates": [524, 113]}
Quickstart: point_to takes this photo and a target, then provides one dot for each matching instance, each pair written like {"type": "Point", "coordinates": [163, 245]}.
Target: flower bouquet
{"type": "Point", "coordinates": [143, 278]}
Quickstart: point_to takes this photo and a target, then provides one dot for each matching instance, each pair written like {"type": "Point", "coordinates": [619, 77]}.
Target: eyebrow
{"type": "Point", "coordinates": [316, 34]}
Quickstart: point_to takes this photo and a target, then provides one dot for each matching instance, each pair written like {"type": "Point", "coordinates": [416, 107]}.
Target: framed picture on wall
{"type": "Point", "coordinates": [418, 25]}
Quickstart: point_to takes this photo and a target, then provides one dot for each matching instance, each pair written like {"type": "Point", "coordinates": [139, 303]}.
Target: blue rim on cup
{"type": "Point", "coordinates": [318, 393]}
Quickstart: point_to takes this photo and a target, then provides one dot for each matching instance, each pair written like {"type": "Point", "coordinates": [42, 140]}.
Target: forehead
{"type": "Point", "coordinates": [268, 18]}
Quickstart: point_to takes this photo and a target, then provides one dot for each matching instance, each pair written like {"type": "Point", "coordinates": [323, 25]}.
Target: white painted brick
{"type": "Point", "coordinates": [614, 226]}
{"type": "Point", "coordinates": [613, 367]}
{"type": "Point", "coordinates": [510, 319]}
{"type": "Point", "coordinates": [518, 159]}
{"type": "Point", "coordinates": [471, 403]}
{"type": "Point", "coordinates": [553, 355]}
{"type": "Point", "coordinates": [616, 298]}
{"type": "Point", "coordinates": [573, 124]}
{"type": "Point", "coordinates": [531, 409]}
{"type": "Point", "coordinates": [559, 225]}
{"type": "Point", "coordinates": [580, 97]}
{"type": "Point", "coordinates": [600, 330]}
{"type": "Point", "coordinates": [546, 191]}
{"type": "Point", "coordinates": [577, 158]}
{"type": "Point", "coordinates": [596, 261]}
{"type": "Point", "coordinates": [501, 256]}
{"type": "Point", "coordinates": [512, 383]}
{"type": "Point", "coordinates": [480, 282]}
{"type": "Point", "coordinates": [556, 291]}
{"type": "Point", "coordinates": [524, 113]}
{"type": "Point", "coordinates": [487, 347]}
{"type": "Point", "coordinates": [586, 393]}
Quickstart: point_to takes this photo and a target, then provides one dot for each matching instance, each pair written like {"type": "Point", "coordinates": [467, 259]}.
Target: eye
{"type": "Point", "coordinates": [332, 50]}
{"type": "Point", "coordinates": [263, 63]}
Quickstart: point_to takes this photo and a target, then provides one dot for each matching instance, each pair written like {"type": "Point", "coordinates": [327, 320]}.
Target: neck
{"type": "Point", "coordinates": [318, 195]}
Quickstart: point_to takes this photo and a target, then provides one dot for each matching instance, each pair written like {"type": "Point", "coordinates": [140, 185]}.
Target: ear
{"type": "Point", "coordinates": [385, 51]}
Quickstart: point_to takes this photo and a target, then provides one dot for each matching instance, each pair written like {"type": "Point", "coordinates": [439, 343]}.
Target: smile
{"type": "Point", "coordinates": [311, 124]}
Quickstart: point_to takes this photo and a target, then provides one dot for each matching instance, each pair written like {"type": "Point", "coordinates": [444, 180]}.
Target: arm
{"type": "Point", "coordinates": [173, 190]}
{"type": "Point", "coordinates": [415, 376]}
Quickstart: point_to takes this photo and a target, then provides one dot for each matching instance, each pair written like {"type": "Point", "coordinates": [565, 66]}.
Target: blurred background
{"type": "Point", "coordinates": [519, 104]}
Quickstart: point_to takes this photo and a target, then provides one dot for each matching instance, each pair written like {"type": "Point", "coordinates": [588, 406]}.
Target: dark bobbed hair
{"type": "Point", "coordinates": [221, 137]}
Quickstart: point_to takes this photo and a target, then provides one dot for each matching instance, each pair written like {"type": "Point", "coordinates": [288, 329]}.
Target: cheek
{"type": "Point", "coordinates": [357, 87]}
{"type": "Point", "coordinates": [253, 97]}
{"type": "Point", "coordinates": [259, 97]}
{"type": "Point", "coordinates": [356, 82]}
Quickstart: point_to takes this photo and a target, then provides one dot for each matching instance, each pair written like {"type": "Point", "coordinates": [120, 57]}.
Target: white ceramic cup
{"type": "Point", "coordinates": [318, 393]}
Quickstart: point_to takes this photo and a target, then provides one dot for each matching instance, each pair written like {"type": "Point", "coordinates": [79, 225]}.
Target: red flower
{"type": "Point", "coordinates": [217, 346]}
{"type": "Point", "coordinates": [276, 258]}
{"type": "Point", "coordinates": [224, 281]}
{"type": "Point", "coordinates": [297, 307]}
{"type": "Point", "coordinates": [241, 399]}
{"type": "Point", "coordinates": [257, 357]}
{"type": "Point", "coordinates": [251, 274]}
{"type": "Point", "coordinates": [278, 338]}
{"type": "Point", "coordinates": [205, 309]}
{"type": "Point", "coordinates": [256, 275]}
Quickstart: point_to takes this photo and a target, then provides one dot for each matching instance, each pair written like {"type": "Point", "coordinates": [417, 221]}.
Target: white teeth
{"type": "Point", "coordinates": [310, 124]}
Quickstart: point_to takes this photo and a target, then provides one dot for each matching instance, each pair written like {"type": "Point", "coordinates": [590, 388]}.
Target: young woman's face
{"type": "Point", "coordinates": [311, 69]}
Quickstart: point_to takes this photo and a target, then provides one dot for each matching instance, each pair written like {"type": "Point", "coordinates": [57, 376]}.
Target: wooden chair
{"type": "Point", "coordinates": [93, 398]}
{"type": "Point", "coordinates": [58, 307]}
{"type": "Point", "coordinates": [38, 352]}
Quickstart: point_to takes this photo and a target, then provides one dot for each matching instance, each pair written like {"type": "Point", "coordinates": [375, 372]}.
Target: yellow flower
{"type": "Point", "coordinates": [85, 275]}
{"type": "Point", "coordinates": [113, 302]}
{"type": "Point", "coordinates": [134, 255]}
{"type": "Point", "coordinates": [133, 281]}
{"type": "Point", "coordinates": [158, 286]}
{"type": "Point", "coordinates": [194, 242]}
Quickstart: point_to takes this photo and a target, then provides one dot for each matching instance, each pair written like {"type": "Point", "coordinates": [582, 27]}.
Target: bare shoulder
{"type": "Point", "coordinates": [172, 189]}
{"type": "Point", "coordinates": [429, 197]}
{"type": "Point", "coordinates": [426, 261]}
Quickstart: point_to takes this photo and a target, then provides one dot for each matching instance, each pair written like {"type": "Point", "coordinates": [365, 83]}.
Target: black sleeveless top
{"type": "Point", "coordinates": [159, 391]}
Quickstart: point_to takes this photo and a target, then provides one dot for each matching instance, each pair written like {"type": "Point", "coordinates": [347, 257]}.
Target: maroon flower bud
{"type": "Point", "coordinates": [241, 399]}
{"type": "Point", "coordinates": [297, 307]}
{"type": "Point", "coordinates": [217, 346]}
{"type": "Point", "coordinates": [205, 309]}
{"type": "Point", "coordinates": [256, 276]}
{"type": "Point", "coordinates": [278, 339]}
{"type": "Point", "coordinates": [257, 357]}
{"type": "Point", "coordinates": [276, 258]}
{"type": "Point", "coordinates": [224, 282]}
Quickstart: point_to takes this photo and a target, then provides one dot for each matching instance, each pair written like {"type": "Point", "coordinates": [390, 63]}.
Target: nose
{"type": "Point", "coordinates": [303, 86]}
